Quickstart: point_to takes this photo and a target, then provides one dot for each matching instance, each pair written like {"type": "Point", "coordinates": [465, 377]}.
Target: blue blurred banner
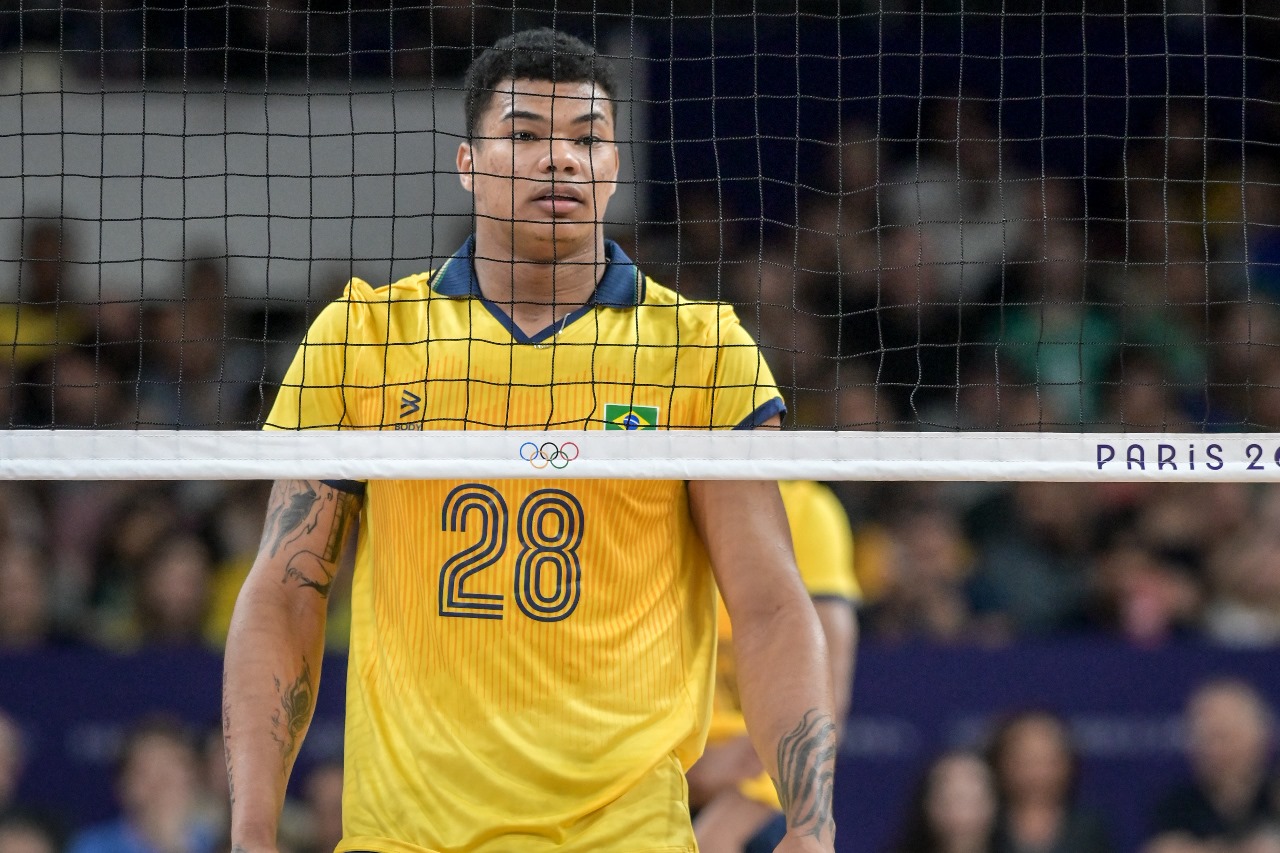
{"type": "Point", "coordinates": [1123, 705]}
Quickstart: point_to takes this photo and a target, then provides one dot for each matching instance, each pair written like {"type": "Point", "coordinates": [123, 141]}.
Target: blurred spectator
{"type": "Point", "coordinates": [901, 328]}
{"type": "Point", "coordinates": [1244, 336]}
{"type": "Point", "coordinates": [38, 312]}
{"type": "Point", "coordinates": [135, 525]}
{"type": "Point", "coordinates": [1144, 595]}
{"type": "Point", "coordinates": [322, 793]}
{"type": "Point", "coordinates": [234, 525]}
{"type": "Point", "coordinates": [858, 402]}
{"type": "Point", "coordinates": [927, 590]}
{"type": "Point", "coordinates": [1230, 730]}
{"type": "Point", "coordinates": [840, 210]}
{"type": "Point", "coordinates": [157, 786]}
{"type": "Point", "coordinates": [1244, 574]}
{"type": "Point", "coordinates": [12, 763]}
{"type": "Point", "coordinates": [1034, 541]}
{"type": "Point", "coordinates": [966, 199]}
{"type": "Point", "coordinates": [25, 609]}
{"type": "Point", "coordinates": [197, 372]}
{"type": "Point", "coordinates": [21, 834]}
{"type": "Point", "coordinates": [994, 397]}
{"type": "Point", "coordinates": [1142, 396]}
{"type": "Point", "coordinates": [1261, 230]}
{"type": "Point", "coordinates": [701, 245]}
{"type": "Point", "coordinates": [1052, 332]}
{"type": "Point", "coordinates": [796, 336]}
{"type": "Point", "coordinates": [1264, 839]}
{"type": "Point", "coordinates": [1036, 771]}
{"type": "Point", "coordinates": [171, 599]}
{"type": "Point", "coordinates": [73, 389]}
{"type": "Point", "coordinates": [953, 809]}
{"type": "Point", "coordinates": [213, 800]}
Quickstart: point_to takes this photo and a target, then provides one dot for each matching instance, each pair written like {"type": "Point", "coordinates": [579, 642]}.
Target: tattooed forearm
{"type": "Point", "coordinates": [289, 722]}
{"type": "Point", "coordinates": [288, 517]}
{"type": "Point", "coordinates": [226, 739]}
{"type": "Point", "coordinates": [342, 515]}
{"type": "Point", "coordinates": [806, 772]}
{"type": "Point", "coordinates": [307, 569]}
{"type": "Point", "coordinates": [315, 571]}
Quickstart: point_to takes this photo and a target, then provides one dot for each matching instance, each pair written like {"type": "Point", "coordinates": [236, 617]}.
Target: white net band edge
{"type": "Point", "coordinates": [761, 455]}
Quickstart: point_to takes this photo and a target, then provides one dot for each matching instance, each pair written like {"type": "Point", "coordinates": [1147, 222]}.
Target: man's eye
{"type": "Point", "coordinates": [589, 140]}
{"type": "Point", "coordinates": [523, 136]}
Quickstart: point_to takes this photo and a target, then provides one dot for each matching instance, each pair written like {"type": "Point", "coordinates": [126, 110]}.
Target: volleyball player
{"type": "Point", "coordinates": [530, 660]}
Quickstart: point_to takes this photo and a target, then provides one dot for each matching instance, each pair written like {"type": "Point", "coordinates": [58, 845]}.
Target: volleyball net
{"type": "Point", "coordinates": [976, 241]}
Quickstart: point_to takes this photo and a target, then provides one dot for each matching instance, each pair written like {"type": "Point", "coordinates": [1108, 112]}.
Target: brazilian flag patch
{"type": "Point", "coordinates": [623, 416]}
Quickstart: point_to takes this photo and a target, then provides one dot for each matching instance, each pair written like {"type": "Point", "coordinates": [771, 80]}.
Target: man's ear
{"type": "Point", "coordinates": [466, 165]}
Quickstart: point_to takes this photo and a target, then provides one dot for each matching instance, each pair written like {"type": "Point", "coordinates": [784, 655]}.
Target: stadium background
{"type": "Point", "coordinates": [1107, 603]}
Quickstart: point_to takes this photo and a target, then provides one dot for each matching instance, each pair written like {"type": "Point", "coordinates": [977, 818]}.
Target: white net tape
{"type": "Point", "coordinates": [987, 456]}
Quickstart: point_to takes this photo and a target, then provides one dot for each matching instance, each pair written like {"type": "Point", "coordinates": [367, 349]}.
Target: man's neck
{"type": "Point", "coordinates": [538, 292]}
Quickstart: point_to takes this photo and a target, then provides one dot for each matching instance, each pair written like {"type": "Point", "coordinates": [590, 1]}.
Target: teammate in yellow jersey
{"type": "Point", "coordinates": [531, 661]}
{"type": "Point", "coordinates": [738, 808]}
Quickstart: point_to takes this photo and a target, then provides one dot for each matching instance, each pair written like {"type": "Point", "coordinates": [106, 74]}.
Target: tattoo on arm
{"type": "Point", "coordinates": [806, 774]}
{"type": "Point", "coordinates": [300, 514]}
{"type": "Point", "coordinates": [290, 720]}
{"type": "Point", "coordinates": [287, 519]}
{"type": "Point", "coordinates": [226, 739]}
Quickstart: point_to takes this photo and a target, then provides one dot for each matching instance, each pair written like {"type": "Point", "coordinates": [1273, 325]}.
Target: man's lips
{"type": "Point", "coordinates": [560, 199]}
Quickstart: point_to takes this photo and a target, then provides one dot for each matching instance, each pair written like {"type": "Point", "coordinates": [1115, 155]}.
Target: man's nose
{"type": "Point", "coordinates": [562, 156]}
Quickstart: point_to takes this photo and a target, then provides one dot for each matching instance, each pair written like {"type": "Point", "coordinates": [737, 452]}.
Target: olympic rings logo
{"type": "Point", "coordinates": [548, 453]}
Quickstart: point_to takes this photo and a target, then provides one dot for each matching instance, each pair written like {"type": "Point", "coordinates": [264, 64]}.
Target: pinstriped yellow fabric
{"type": "Point", "coordinates": [531, 660]}
{"type": "Point", "coordinates": [823, 542]}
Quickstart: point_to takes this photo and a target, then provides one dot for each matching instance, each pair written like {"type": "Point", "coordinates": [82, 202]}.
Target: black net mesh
{"type": "Point", "coordinates": [956, 215]}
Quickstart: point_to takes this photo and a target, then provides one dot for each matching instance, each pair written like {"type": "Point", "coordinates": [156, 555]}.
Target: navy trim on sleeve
{"type": "Point", "coordinates": [766, 410]}
{"type": "Point", "coordinates": [351, 487]}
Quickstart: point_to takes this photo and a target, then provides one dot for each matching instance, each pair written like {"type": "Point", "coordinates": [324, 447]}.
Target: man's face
{"type": "Point", "coordinates": [543, 164]}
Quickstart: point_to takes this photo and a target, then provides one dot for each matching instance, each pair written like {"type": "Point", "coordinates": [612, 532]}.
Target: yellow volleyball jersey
{"type": "Point", "coordinates": [531, 661]}
{"type": "Point", "coordinates": [823, 542]}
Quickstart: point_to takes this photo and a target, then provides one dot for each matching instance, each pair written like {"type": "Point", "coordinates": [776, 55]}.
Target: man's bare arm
{"type": "Point", "coordinates": [839, 620]}
{"type": "Point", "coordinates": [783, 673]}
{"type": "Point", "coordinates": [274, 648]}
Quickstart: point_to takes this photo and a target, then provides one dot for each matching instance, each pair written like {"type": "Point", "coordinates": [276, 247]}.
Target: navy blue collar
{"type": "Point", "coordinates": [619, 287]}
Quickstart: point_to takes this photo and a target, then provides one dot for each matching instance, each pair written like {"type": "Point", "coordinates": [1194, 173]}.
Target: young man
{"type": "Point", "coordinates": [531, 660]}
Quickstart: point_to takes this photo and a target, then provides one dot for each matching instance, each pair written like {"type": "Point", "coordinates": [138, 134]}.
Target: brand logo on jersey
{"type": "Point", "coordinates": [410, 403]}
{"type": "Point", "coordinates": [622, 416]}
{"type": "Point", "coordinates": [548, 453]}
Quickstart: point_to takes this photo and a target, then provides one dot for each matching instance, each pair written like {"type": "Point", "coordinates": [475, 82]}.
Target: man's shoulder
{"type": "Point", "coordinates": [664, 302]}
{"type": "Point", "coordinates": [410, 288]}
{"type": "Point", "coordinates": [363, 313]}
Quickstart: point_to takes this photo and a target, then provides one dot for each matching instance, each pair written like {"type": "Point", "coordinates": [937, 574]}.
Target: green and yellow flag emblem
{"type": "Point", "coordinates": [623, 416]}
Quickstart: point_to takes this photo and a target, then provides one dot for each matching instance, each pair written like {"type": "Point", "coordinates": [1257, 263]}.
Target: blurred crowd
{"type": "Point", "coordinates": [1015, 790]}
{"type": "Point", "coordinates": [125, 41]}
{"type": "Point", "coordinates": [1019, 792]}
{"type": "Point", "coordinates": [170, 785]}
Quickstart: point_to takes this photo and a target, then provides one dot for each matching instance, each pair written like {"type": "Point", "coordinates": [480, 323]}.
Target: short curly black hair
{"type": "Point", "coordinates": [539, 54]}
